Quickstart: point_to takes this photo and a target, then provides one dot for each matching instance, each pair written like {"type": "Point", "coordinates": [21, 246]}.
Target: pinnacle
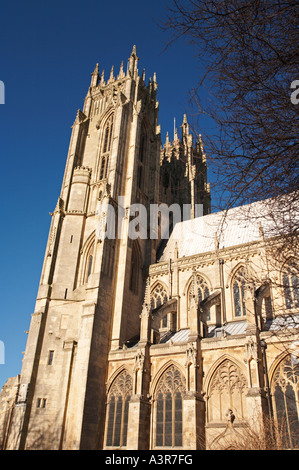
{"type": "Point", "coordinates": [134, 53]}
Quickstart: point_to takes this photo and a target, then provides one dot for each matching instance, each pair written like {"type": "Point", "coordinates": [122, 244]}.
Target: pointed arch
{"type": "Point", "coordinates": [105, 143]}
{"type": "Point", "coordinates": [116, 373]}
{"type": "Point", "coordinates": [118, 398]}
{"type": "Point", "coordinates": [168, 408]}
{"type": "Point", "coordinates": [189, 282]}
{"type": "Point", "coordinates": [285, 392]}
{"type": "Point", "coordinates": [104, 116]}
{"type": "Point", "coordinates": [161, 371]}
{"type": "Point", "coordinates": [198, 285]}
{"type": "Point", "coordinates": [159, 294]}
{"type": "Point", "coordinates": [238, 287]}
{"type": "Point", "coordinates": [216, 364]}
{"type": "Point", "coordinates": [203, 287]}
{"type": "Point", "coordinates": [87, 259]}
{"type": "Point", "coordinates": [226, 387]}
{"type": "Point", "coordinates": [242, 264]}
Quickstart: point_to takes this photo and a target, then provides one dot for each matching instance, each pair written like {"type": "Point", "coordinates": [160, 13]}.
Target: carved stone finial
{"type": "Point", "coordinates": [146, 307]}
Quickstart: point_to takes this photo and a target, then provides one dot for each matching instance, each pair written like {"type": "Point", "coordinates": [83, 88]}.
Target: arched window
{"type": "Point", "coordinates": [107, 135]}
{"type": "Point", "coordinates": [169, 409]}
{"type": "Point", "coordinates": [227, 390]}
{"type": "Point", "coordinates": [159, 296]}
{"type": "Point", "coordinates": [285, 391]}
{"type": "Point", "coordinates": [106, 147]}
{"type": "Point", "coordinates": [103, 168]}
{"type": "Point", "coordinates": [118, 409]}
{"type": "Point", "coordinates": [290, 279]}
{"type": "Point", "coordinates": [238, 286]}
{"type": "Point", "coordinates": [89, 263]}
{"type": "Point", "coordinates": [199, 287]}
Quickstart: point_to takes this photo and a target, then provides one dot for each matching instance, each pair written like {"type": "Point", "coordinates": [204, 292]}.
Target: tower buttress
{"type": "Point", "coordinates": [91, 288]}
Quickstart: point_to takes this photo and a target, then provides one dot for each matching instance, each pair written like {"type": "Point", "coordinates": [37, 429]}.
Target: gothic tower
{"type": "Point", "coordinates": [183, 173]}
{"type": "Point", "coordinates": [92, 286]}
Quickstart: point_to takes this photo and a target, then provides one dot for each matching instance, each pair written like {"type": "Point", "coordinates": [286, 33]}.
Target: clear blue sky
{"type": "Point", "coordinates": [48, 51]}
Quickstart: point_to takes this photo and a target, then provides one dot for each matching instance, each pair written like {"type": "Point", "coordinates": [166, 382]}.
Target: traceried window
{"type": "Point", "coordinates": [290, 281]}
{"type": "Point", "coordinates": [285, 391]}
{"type": "Point", "coordinates": [238, 286]}
{"type": "Point", "coordinates": [106, 147]}
{"type": "Point", "coordinates": [200, 288]}
{"type": "Point", "coordinates": [169, 409]}
{"type": "Point", "coordinates": [227, 390]}
{"type": "Point", "coordinates": [118, 409]}
{"type": "Point", "coordinates": [159, 296]}
{"type": "Point", "coordinates": [107, 135]}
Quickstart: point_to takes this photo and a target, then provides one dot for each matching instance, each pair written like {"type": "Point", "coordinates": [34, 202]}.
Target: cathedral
{"type": "Point", "coordinates": [155, 341]}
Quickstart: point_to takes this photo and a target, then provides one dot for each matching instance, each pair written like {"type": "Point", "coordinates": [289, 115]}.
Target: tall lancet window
{"type": "Point", "coordinates": [239, 292]}
{"type": "Point", "coordinates": [89, 263]}
{"type": "Point", "coordinates": [118, 409]}
{"type": "Point", "coordinates": [169, 409]}
{"type": "Point", "coordinates": [158, 296]}
{"type": "Point", "coordinates": [201, 290]}
{"type": "Point", "coordinates": [106, 147]}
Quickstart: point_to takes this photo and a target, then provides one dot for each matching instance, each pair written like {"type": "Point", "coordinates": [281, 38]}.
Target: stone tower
{"type": "Point", "coordinates": [183, 173]}
{"type": "Point", "coordinates": [92, 287]}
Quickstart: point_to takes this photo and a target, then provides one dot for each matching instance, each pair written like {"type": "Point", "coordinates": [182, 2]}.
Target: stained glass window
{"type": "Point", "coordinates": [118, 408]}
{"type": "Point", "coordinates": [159, 296]}
{"type": "Point", "coordinates": [239, 292]}
{"type": "Point", "coordinates": [169, 414]}
{"type": "Point", "coordinates": [200, 288]}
